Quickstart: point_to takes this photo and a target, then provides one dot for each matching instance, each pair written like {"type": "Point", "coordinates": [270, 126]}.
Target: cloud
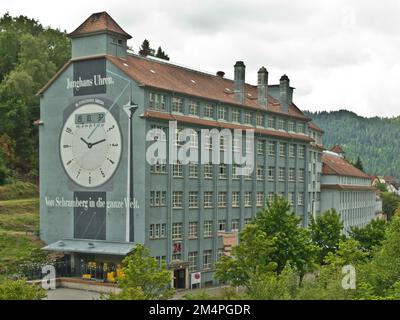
{"type": "Point", "coordinates": [338, 54]}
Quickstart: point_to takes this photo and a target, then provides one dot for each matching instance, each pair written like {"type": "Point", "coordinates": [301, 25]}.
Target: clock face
{"type": "Point", "coordinates": [90, 145]}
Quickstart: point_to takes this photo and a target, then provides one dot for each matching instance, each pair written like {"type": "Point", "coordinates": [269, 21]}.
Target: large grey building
{"type": "Point", "coordinates": [100, 194]}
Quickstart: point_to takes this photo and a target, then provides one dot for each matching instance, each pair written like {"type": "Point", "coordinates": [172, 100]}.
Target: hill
{"type": "Point", "coordinates": [375, 140]}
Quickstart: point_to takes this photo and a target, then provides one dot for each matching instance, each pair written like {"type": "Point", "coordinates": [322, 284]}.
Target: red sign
{"type": "Point", "coordinates": [177, 247]}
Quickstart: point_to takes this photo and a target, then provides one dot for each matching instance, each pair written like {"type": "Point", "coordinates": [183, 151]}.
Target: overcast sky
{"type": "Point", "coordinates": [338, 54]}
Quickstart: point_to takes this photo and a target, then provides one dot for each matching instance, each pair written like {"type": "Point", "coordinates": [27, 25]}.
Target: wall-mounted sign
{"type": "Point", "coordinates": [177, 247]}
{"type": "Point", "coordinates": [195, 278]}
{"type": "Point", "coordinates": [89, 77]}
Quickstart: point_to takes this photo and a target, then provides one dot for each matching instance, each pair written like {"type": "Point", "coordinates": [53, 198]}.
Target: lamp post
{"type": "Point", "coordinates": [129, 109]}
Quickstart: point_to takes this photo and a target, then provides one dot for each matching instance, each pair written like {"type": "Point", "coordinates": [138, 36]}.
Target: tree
{"type": "Point", "coordinates": [273, 241]}
{"type": "Point", "coordinates": [326, 233]}
{"type": "Point", "coordinates": [371, 235]}
{"type": "Point", "coordinates": [145, 49]}
{"type": "Point", "coordinates": [390, 202]}
{"type": "Point", "coordinates": [144, 278]}
{"type": "Point", "coordinates": [381, 187]}
{"type": "Point", "coordinates": [358, 164]}
{"type": "Point", "coordinates": [20, 290]}
{"type": "Point", "coordinates": [161, 54]}
{"type": "Point", "coordinates": [3, 169]}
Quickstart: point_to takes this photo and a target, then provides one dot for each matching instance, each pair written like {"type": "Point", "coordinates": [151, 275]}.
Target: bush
{"type": "Point", "coordinates": [18, 190]}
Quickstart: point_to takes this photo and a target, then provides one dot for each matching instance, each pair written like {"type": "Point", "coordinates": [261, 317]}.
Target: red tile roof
{"type": "Point", "coordinates": [170, 77]}
{"type": "Point", "coordinates": [218, 124]}
{"type": "Point", "coordinates": [337, 149]}
{"type": "Point", "coordinates": [335, 165]}
{"type": "Point", "coordinates": [346, 187]}
{"type": "Point", "coordinates": [97, 22]}
{"type": "Point", "coordinates": [314, 127]}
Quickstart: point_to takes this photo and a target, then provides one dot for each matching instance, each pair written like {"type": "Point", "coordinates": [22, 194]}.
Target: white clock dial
{"type": "Point", "coordinates": [90, 145]}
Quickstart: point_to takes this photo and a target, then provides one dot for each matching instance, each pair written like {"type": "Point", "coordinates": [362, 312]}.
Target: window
{"type": "Point", "coordinates": [302, 151]}
{"type": "Point", "coordinates": [271, 123]}
{"type": "Point", "coordinates": [260, 120]}
{"type": "Point", "coordinates": [247, 199]}
{"type": "Point", "coordinates": [207, 262]}
{"type": "Point", "coordinates": [292, 151]}
{"type": "Point", "coordinates": [193, 170]}
{"type": "Point", "coordinates": [208, 199]}
{"type": "Point", "coordinates": [260, 173]}
{"type": "Point", "coordinates": [157, 231]}
{"type": "Point", "coordinates": [260, 199]}
{"type": "Point", "coordinates": [177, 170]}
{"type": "Point", "coordinates": [176, 231]}
{"type": "Point", "coordinates": [271, 173]}
{"type": "Point", "coordinates": [291, 126]}
{"type": "Point", "coordinates": [193, 230]}
{"type": "Point", "coordinates": [157, 101]}
{"type": "Point", "coordinates": [235, 199]}
{"type": "Point", "coordinates": [222, 225]}
{"type": "Point", "coordinates": [237, 145]}
{"type": "Point", "coordinates": [281, 174]}
{"type": "Point", "coordinates": [177, 199]}
{"type": "Point", "coordinates": [158, 198]}
{"type": "Point", "coordinates": [235, 224]}
{"type": "Point", "coordinates": [209, 111]}
{"type": "Point", "coordinates": [248, 118]}
{"type": "Point", "coordinates": [301, 175]}
{"type": "Point", "coordinates": [192, 258]}
{"type": "Point", "coordinates": [177, 104]}
{"type": "Point", "coordinates": [158, 168]}
{"type": "Point", "coordinates": [208, 141]}
{"type": "Point", "coordinates": [271, 149]}
{"type": "Point", "coordinates": [194, 140]}
{"type": "Point", "coordinates": [300, 128]}
{"type": "Point", "coordinates": [193, 199]}
{"type": "Point", "coordinates": [222, 199]}
{"type": "Point", "coordinates": [282, 149]}
{"type": "Point", "coordinates": [235, 175]}
{"type": "Point", "coordinates": [208, 171]}
{"type": "Point", "coordinates": [248, 221]}
{"type": "Point", "coordinates": [176, 257]}
{"type": "Point", "coordinates": [222, 145]}
{"type": "Point", "coordinates": [260, 147]}
{"type": "Point", "coordinates": [222, 113]}
{"type": "Point", "coordinates": [271, 197]}
{"type": "Point", "coordinates": [292, 174]}
{"type": "Point", "coordinates": [291, 198]}
{"type": "Point", "coordinates": [208, 229]}
{"type": "Point", "coordinates": [300, 200]}
{"type": "Point", "coordinates": [235, 116]}
{"type": "Point", "coordinates": [281, 124]}
{"type": "Point", "coordinates": [222, 171]}
{"type": "Point", "coordinates": [193, 108]}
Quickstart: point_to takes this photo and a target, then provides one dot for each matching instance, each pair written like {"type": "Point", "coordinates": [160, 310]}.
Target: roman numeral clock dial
{"type": "Point", "coordinates": [90, 145]}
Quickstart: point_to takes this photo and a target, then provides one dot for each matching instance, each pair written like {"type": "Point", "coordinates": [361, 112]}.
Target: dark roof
{"type": "Point", "coordinates": [346, 187]}
{"type": "Point", "coordinates": [174, 78]}
{"type": "Point", "coordinates": [335, 165]}
{"type": "Point", "coordinates": [99, 22]}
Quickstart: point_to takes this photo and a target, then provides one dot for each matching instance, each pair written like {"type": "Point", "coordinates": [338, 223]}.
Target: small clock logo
{"type": "Point", "coordinates": [90, 145]}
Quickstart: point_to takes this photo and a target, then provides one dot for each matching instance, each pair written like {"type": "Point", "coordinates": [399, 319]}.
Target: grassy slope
{"type": "Point", "coordinates": [19, 224]}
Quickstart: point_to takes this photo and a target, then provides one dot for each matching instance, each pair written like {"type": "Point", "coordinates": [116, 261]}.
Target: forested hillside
{"type": "Point", "coordinates": [375, 140]}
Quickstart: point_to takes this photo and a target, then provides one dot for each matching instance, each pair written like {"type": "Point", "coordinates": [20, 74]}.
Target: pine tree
{"type": "Point", "coordinates": [161, 54]}
{"type": "Point", "coordinates": [145, 49]}
{"type": "Point", "coordinates": [359, 164]}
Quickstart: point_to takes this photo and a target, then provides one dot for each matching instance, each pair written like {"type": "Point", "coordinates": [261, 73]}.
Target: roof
{"type": "Point", "coordinates": [335, 165]}
{"type": "Point", "coordinates": [337, 149]}
{"type": "Point", "coordinates": [314, 127]}
{"type": "Point", "coordinates": [91, 246]}
{"type": "Point", "coordinates": [226, 125]}
{"type": "Point", "coordinates": [346, 187]}
{"type": "Point", "coordinates": [167, 76]}
{"type": "Point", "coordinates": [99, 22]}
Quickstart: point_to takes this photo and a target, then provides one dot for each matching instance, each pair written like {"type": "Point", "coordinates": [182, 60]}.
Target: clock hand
{"type": "Point", "coordinates": [87, 143]}
{"type": "Point", "coordinates": [97, 142]}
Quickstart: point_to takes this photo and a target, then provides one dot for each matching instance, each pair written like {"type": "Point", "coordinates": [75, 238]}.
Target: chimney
{"type": "Point", "coordinates": [220, 74]}
{"type": "Point", "coordinates": [284, 92]}
{"type": "Point", "coordinates": [262, 87]}
{"type": "Point", "coordinates": [240, 73]}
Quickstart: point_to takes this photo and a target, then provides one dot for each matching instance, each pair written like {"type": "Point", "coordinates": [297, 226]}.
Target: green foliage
{"type": "Point", "coordinates": [18, 190]}
{"type": "Point", "coordinates": [161, 54]}
{"type": "Point", "coordinates": [326, 233]}
{"type": "Point", "coordinates": [20, 290]}
{"type": "Point", "coordinates": [390, 202]}
{"type": "Point", "coordinates": [381, 187]}
{"type": "Point", "coordinates": [145, 50]}
{"type": "Point", "coordinates": [273, 241]}
{"type": "Point", "coordinates": [371, 235]}
{"type": "Point", "coordinates": [144, 278]}
{"type": "Point", "coordinates": [29, 56]}
{"type": "Point", "coordinates": [358, 164]}
{"type": "Point", "coordinates": [371, 139]}
{"type": "Point", "coordinates": [3, 169]}
{"type": "Point", "coordinates": [198, 295]}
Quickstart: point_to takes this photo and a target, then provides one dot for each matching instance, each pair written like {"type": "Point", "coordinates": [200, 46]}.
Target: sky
{"type": "Point", "coordinates": [341, 54]}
